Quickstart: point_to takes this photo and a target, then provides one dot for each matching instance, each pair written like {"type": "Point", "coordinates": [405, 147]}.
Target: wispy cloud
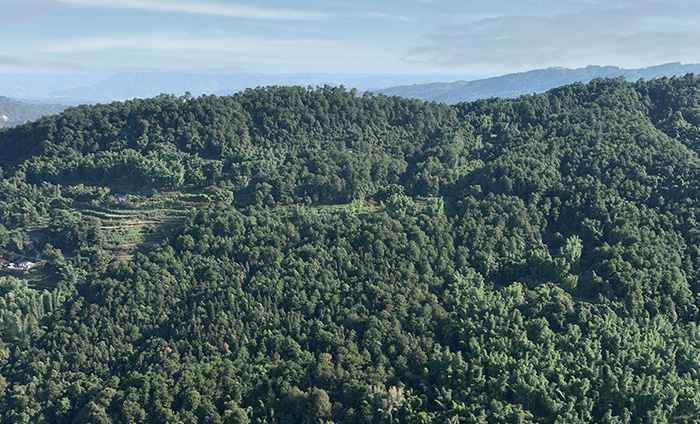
{"type": "Point", "coordinates": [13, 63]}
{"type": "Point", "coordinates": [591, 32]}
{"type": "Point", "coordinates": [227, 10]}
{"type": "Point", "coordinates": [383, 16]}
{"type": "Point", "coordinates": [183, 42]}
{"type": "Point", "coordinates": [26, 9]}
{"type": "Point", "coordinates": [223, 49]}
{"type": "Point", "coordinates": [202, 8]}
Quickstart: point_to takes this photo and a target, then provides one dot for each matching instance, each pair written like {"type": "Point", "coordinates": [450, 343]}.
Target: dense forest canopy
{"type": "Point", "coordinates": [312, 255]}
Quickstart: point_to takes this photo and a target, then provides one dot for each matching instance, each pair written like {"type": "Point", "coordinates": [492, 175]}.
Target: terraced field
{"type": "Point", "coordinates": [133, 225]}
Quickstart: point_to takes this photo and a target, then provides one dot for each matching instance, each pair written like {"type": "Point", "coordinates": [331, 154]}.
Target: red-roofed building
{"type": "Point", "coordinates": [26, 264]}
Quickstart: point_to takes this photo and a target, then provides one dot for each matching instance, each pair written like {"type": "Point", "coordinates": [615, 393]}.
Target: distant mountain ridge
{"type": "Point", "coordinates": [106, 88]}
{"type": "Point", "coordinates": [535, 81]}
{"type": "Point", "coordinates": [13, 112]}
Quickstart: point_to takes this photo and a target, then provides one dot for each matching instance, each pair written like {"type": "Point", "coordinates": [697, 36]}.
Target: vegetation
{"type": "Point", "coordinates": [291, 255]}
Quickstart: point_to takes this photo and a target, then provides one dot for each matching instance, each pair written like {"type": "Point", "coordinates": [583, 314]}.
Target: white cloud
{"type": "Point", "coordinates": [180, 42]}
{"type": "Point", "coordinates": [201, 8]}
{"type": "Point", "coordinates": [17, 63]}
{"type": "Point", "coordinates": [227, 10]}
{"type": "Point", "coordinates": [155, 49]}
{"type": "Point", "coordinates": [25, 9]}
{"type": "Point", "coordinates": [622, 33]}
{"type": "Point", "coordinates": [384, 16]}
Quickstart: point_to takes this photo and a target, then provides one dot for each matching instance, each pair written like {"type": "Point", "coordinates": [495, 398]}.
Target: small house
{"type": "Point", "coordinates": [3, 262]}
{"type": "Point", "coordinates": [26, 265]}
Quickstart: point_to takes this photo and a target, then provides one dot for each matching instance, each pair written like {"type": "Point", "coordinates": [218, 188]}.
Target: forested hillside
{"type": "Point", "coordinates": [294, 255]}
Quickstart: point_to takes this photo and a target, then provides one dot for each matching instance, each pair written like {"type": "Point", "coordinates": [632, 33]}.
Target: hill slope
{"type": "Point", "coordinates": [357, 259]}
{"type": "Point", "coordinates": [13, 112]}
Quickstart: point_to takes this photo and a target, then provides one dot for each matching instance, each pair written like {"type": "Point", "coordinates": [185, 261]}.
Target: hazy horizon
{"type": "Point", "coordinates": [79, 88]}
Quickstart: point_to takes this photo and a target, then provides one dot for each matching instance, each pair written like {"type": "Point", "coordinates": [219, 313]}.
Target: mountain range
{"type": "Point", "coordinates": [32, 96]}
{"type": "Point", "coordinates": [105, 88]}
{"type": "Point", "coordinates": [535, 81]}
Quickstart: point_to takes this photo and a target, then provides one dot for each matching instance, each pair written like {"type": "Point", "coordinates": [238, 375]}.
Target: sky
{"type": "Point", "coordinates": [474, 38]}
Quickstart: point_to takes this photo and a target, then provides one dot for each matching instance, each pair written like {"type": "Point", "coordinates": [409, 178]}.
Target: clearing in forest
{"type": "Point", "coordinates": [140, 222]}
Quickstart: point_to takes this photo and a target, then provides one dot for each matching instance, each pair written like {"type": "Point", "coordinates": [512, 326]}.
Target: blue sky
{"type": "Point", "coordinates": [466, 37]}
